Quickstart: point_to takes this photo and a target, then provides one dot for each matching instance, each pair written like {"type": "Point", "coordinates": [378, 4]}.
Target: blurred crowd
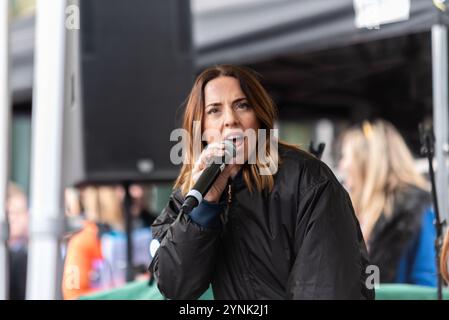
{"type": "Point", "coordinates": [95, 250]}
{"type": "Point", "coordinates": [94, 245]}
{"type": "Point", "coordinates": [390, 197]}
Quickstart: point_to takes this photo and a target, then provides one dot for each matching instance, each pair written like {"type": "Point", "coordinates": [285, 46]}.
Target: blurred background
{"type": "Point", "coordinates": [127, 68]}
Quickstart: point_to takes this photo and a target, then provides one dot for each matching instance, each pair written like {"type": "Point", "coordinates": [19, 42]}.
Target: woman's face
{"type": "Point", "coordinates": [228, 112]}
{"type": "Point", "coordinates": [346, 166]}
{"type": "Point", "coordinates": [18, 217]}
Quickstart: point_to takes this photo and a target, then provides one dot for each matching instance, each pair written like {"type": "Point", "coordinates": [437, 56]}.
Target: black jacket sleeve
{"type": "Point", "coordinates": [331, 256]}
{"type": "Point", "coordinates": [185, 261]}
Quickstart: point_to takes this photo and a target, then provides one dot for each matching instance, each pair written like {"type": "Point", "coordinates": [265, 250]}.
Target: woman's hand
{"type": "Point", "coordinates": [211, 152]}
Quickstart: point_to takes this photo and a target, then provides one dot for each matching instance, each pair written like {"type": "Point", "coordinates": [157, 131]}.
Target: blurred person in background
{"type": "Point", "coordinates": [289, 233]}
{"type": "Point", "coordinates": [143, 217]}
{"type": "Point", "coordinates": [96, 255]}
{"type": "Point", "coordinates": [85, 269]}
{"type": "Point", "coordinates": [18, 217]}
{"type": "Point", "coordinates": [73, 209]}
{"type": "Point", "coordinates": [391, 201]}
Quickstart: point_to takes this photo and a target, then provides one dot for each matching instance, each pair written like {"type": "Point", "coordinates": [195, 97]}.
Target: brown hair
{"type": "Point", "coordinates": [264, 109]}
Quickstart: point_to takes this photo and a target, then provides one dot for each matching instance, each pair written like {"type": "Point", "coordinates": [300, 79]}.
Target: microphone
{"type": "Point", "coordinates": [207, 179]}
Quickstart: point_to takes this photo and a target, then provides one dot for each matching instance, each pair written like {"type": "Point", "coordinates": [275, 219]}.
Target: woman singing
{"type": "Point", "coordinates": [288, 234]}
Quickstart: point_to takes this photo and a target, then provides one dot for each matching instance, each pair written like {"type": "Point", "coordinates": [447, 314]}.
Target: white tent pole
{"type": "Point", "coordinates": [46, 187]}
{"type": "Point", "coordinates": [440, 114]}
{"type": "Point", "coordinates": [5, 119]}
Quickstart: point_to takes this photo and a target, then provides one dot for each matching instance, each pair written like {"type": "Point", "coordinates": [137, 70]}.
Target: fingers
{"type": "Point", "coordinates": [212, 152]}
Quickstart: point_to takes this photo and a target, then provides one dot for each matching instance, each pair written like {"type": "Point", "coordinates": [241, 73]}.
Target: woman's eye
{"type": "Point", "coordinates": [212, 111]}
{"type": "Point", "coordinates": [243, 105]}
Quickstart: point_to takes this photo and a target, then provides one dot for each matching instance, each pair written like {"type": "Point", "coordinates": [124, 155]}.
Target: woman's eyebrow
{"type": "Point", "coordinates": [214, 104]}
{"type": "Point", "coordinates": [238, 100]}
{"type": "Point", "coordinates": [217, 104]}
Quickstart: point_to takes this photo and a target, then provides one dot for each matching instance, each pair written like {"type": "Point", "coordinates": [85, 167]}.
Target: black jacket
{"type": "Point", "coordinates": [392, 236]}
{"type": "Point", "coordinates": [299, 241]}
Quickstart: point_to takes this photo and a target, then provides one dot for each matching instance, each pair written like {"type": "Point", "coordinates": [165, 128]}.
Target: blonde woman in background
{"type": "Point", "coordinates": [391, 201]}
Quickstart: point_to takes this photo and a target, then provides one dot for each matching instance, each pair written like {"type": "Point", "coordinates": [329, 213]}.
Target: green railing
{"type": "Point", "coordinates": [141, 290]}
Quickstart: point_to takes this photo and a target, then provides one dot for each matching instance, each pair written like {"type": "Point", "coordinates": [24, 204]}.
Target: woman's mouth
{"type": "Point", "coordinates": [237, 139]}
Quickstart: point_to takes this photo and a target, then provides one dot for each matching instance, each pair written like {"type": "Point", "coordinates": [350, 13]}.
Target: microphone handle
{"type": "Point", "coordinates": [202, 186]}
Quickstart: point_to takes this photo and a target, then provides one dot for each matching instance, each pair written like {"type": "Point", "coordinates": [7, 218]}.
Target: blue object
{"type": "Point", "coordinates": [418, 265]}
{"type": "Point", "coordinates": [207, 214]}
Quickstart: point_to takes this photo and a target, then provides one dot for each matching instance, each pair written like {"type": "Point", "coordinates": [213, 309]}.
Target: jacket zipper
{"type": "Point", "coordinates": [246, 276]}
{"type": "Point", "coordinates": [225, 216]}
{"type": "Point", "coordinates": [229, 194]}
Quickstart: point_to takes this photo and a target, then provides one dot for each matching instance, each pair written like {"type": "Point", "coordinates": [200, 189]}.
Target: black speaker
{"type": "Point", "coordinates": [135, 68]}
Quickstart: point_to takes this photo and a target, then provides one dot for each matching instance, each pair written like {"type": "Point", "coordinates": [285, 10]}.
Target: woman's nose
{"type": "Point", "coordinates": [230, 118]}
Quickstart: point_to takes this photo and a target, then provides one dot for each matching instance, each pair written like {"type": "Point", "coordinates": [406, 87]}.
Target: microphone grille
{"type": "Point", "coordinates": [230, 148]}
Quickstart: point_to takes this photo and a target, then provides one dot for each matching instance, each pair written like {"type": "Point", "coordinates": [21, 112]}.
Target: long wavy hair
{"type": "Point", "coordinates": [263, 107]}
{"type": "Point", "coordinates": [383, 165]}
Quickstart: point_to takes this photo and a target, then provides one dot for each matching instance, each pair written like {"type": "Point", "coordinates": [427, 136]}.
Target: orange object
{"type": "Point", "coordinates": [83, 250]}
